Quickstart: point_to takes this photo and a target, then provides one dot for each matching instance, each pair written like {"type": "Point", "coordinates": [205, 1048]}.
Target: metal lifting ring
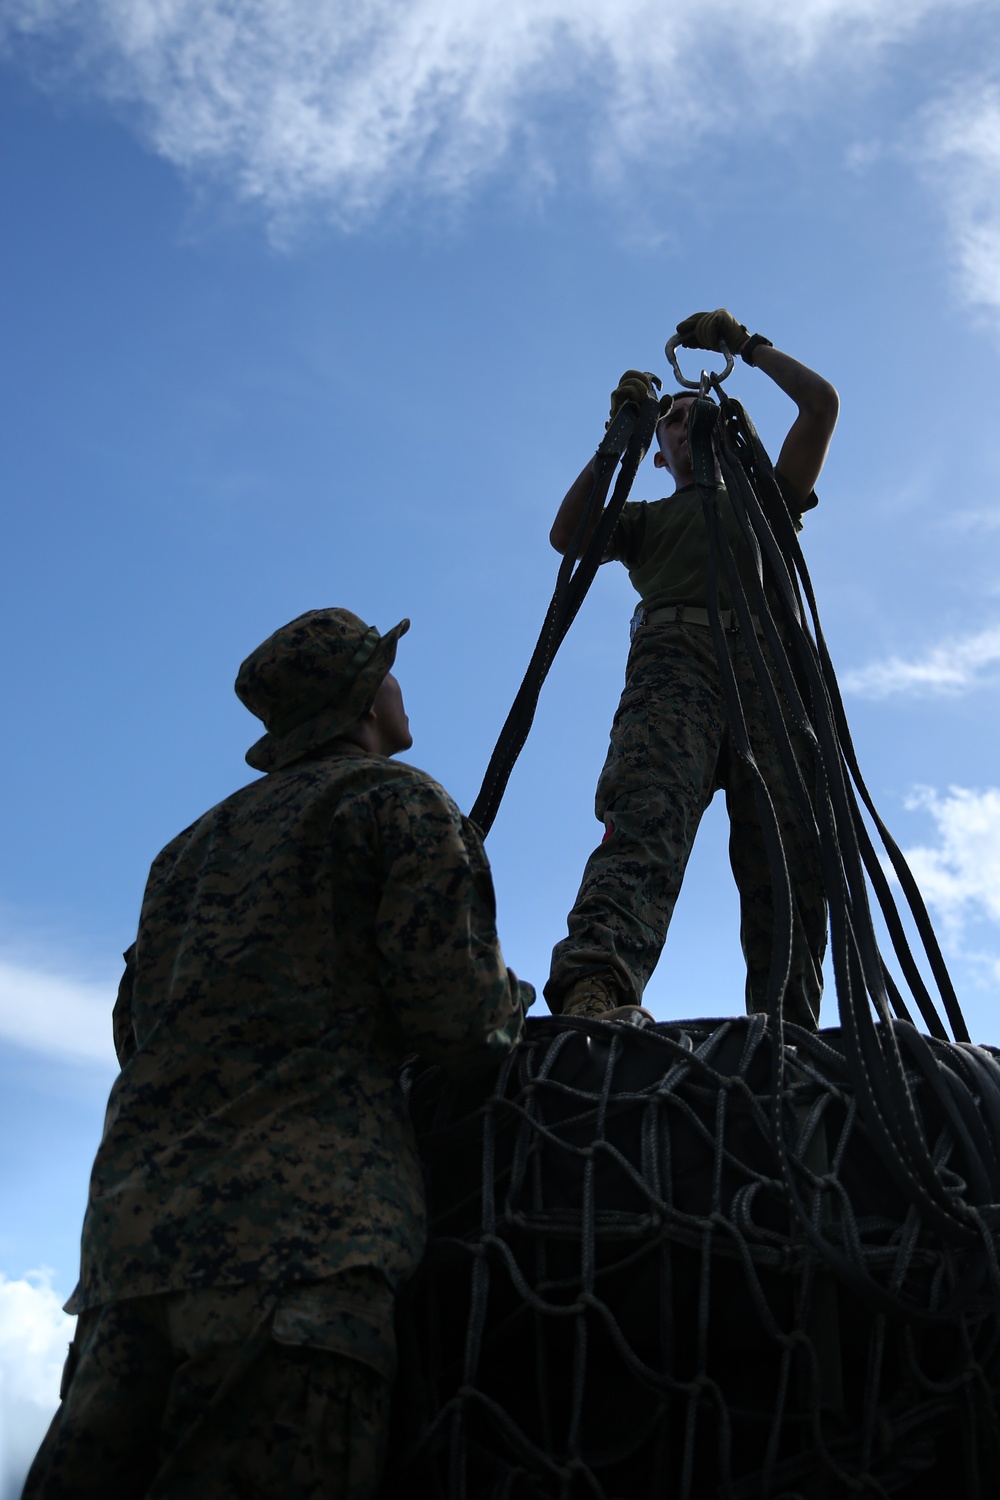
{"type": "Point", "coordinates": [670, 350]}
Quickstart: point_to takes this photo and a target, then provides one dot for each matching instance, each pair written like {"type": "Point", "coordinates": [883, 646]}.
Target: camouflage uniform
{"type": "Point", "coordinates": [671, 749]}
{"type": "Point", "coordinates": [257, 1195]}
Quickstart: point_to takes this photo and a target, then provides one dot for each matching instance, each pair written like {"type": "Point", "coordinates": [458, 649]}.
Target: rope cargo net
{"type": "Point", "coordinates": [619, 1298]}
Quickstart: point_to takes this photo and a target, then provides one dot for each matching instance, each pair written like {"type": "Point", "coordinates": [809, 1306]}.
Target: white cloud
{"type": "Point", "coordinates": [960, 149]}
{"type": "Point", "coordinates": [949, 669]}
{"type": "Point", "coordinates": [34, 1333]}
{"type": "Point", "coordinates": [960, 878]}
{"type": "Point", "coordinates": [56, 1014]}
{"type": "Point", "coordinates": [298, 102]}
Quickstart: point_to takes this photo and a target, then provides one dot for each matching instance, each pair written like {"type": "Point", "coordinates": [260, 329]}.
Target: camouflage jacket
{"type": "Point", "coordinates": [295, 944]}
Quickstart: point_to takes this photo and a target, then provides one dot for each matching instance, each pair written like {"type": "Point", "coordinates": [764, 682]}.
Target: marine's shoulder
{"type": "Point", "coordinates": [633, 510]}
{"type": "Point", "coordinates": [367, 775]}
{"type": "Point", "coordinates": [410, 784]}
{"type": "Point", "coordinates": [335, 779]}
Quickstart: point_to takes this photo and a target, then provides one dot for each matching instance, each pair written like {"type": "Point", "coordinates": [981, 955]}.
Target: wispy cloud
{"type": "Point", "coordinates": [949, 669]}
{"type": "Point", "coordinates": [987, 519]}
{"type": "Point", "coordinates": [296, 103]}
{"type": "Point", "coordinates": [960, 151]}
{"type": "Point", "coordinates": [960, 878]}
{"type": "Point", "coordinates": [56, 1014]}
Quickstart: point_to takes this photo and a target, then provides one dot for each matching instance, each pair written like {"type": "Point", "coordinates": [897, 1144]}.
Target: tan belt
{"type": "Point", "coordinates": [688, 614]}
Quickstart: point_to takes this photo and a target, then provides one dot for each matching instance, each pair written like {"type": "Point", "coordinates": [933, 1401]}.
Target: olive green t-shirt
{"type": "Point", "coordinates": [664, 545]}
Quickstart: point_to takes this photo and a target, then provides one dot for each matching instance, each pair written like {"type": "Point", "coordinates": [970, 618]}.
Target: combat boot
{"type": "Point", "coordinates": [595, 999]}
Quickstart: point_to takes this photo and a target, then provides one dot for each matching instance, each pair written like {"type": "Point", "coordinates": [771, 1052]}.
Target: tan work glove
{"type": "Point", "coordinates": [709, 330]}
{"type": "Point", "coordinates": [635, 385]}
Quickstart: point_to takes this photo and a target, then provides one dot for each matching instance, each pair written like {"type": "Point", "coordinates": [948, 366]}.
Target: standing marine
{"type": "Point", "coordinates": [671, 744]}
{"type": "Point", "coordinates": [256, 1199]}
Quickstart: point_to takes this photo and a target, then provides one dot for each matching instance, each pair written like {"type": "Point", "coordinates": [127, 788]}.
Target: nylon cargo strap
{"type": "Point", "coordinates": [628, 437]}
{"type": "Point", "coordinates": [797, 683]}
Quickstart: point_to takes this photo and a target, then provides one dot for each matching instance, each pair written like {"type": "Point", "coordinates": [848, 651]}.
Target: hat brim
{"type": "Point", "coordinates": [273, 752]}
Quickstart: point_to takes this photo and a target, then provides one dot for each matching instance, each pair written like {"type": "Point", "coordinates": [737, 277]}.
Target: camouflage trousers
{"type": "Point", "coordinates": [671, 750]}
{"type": "Point", "coordinates": [191, 1396]}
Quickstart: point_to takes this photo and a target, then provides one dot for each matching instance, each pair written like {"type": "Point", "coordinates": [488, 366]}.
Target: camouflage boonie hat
{"type": "Point", "coordinates": [311, 680]}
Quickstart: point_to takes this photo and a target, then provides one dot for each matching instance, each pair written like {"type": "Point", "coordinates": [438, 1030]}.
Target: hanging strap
{"type": "Point", "coordinates": [627, 438]}
{"type": "Point", "coordinates": [881, 1058]}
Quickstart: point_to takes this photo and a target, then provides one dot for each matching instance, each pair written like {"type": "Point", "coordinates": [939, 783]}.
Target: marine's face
{"type": "Point", "coordinates": [391, 719]}
{"type": "Point", "coordinates": [671, 436]}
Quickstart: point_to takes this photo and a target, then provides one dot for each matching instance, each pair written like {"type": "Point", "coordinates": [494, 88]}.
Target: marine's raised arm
{"type": "Point", "coordinates": [807, 442]}
{"type": "Point", "coordinates": [635, 385]}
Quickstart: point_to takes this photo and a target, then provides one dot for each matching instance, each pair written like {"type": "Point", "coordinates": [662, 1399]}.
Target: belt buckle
{"type": "Point", "coordinates": [636, 623]}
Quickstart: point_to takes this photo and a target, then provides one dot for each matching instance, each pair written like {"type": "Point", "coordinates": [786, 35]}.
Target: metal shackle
{"type": "Point", "coordinates": [713, 378]}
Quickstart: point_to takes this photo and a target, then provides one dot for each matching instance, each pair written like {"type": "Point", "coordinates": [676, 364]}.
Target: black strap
{"type": "Point", "coordinates": [879, 1069]}
{"type": "Point", "coordinates": [627, 438]}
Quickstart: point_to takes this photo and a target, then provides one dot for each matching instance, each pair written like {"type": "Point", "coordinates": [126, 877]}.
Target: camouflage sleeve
{"type": "Point", "coordinates": [440, 963]}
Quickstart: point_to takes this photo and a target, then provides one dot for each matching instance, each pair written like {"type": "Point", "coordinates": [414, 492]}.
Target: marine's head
{"type": "Point", "coordinates": [323, 676]}
{"type": "Point", "coordinates": [672, 436]}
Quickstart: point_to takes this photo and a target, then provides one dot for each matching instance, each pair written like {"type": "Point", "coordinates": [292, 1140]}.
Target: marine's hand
{"type": "Point", "coordinates": [635, 385]}
{"type": "Point", "coordinates": [710, 330]}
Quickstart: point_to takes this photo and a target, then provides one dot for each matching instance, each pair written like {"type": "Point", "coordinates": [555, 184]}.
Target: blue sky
{"type": "Point", "coordinates": [310, 303]}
